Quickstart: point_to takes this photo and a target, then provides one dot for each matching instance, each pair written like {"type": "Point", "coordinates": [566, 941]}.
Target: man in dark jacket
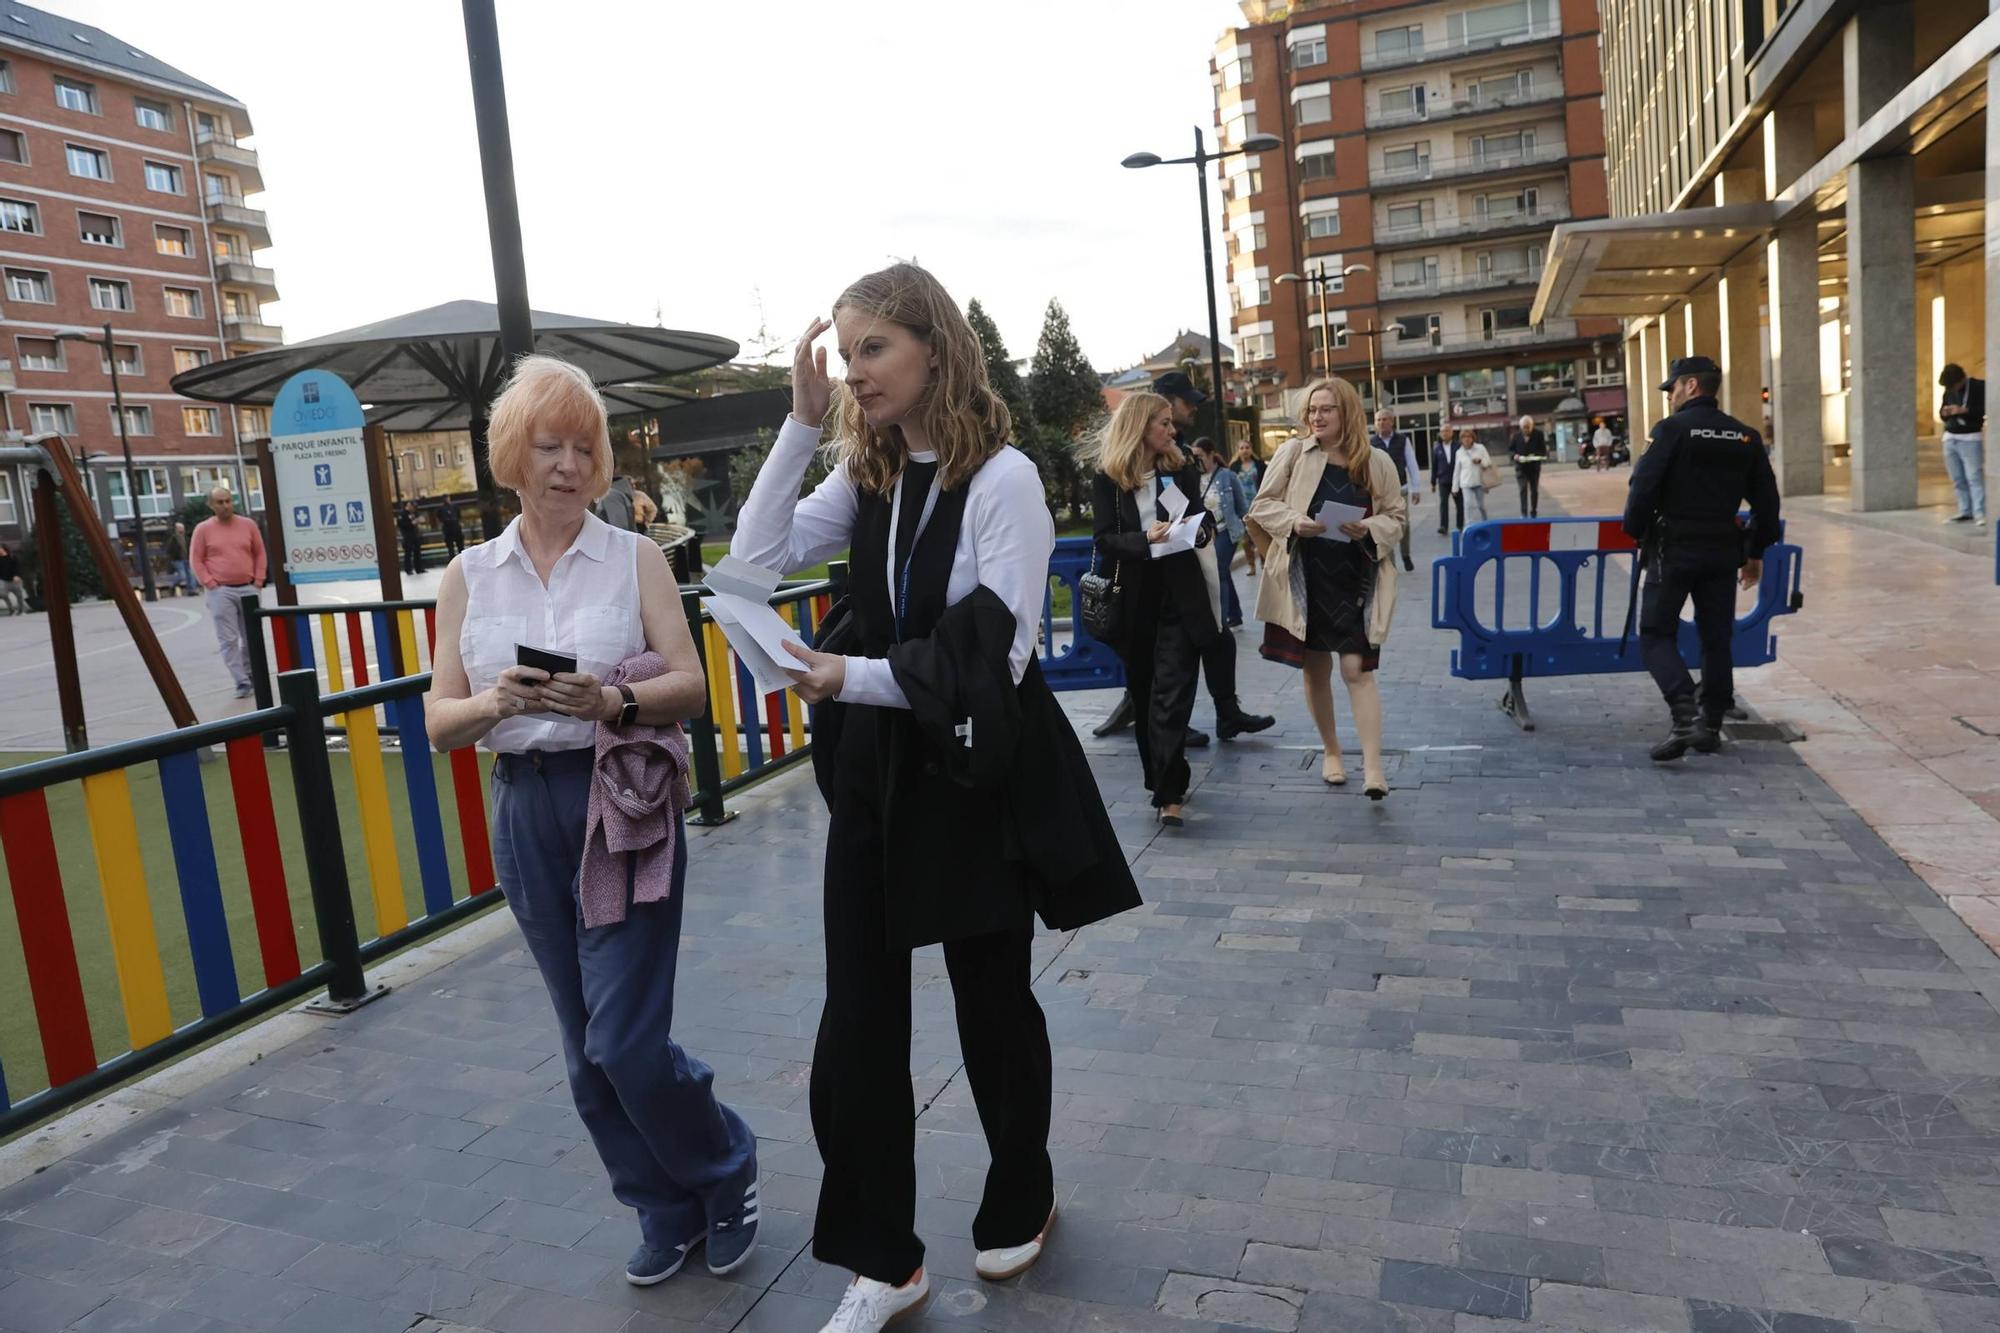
{"type": "Point", "coordinates": [1403, 454]}
{"type": "Point", "coordinates": [1529, 447]}
{"type": "Point", "coordinates": [1701, 465]}
{"type": "Point", "coordinates": [1444, 457]}
{"type": "Point", "coordinates": [1964, 415]}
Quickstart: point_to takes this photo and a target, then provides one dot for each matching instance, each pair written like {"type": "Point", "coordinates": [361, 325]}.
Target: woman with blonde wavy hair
{"type": "Point", "coordinates": [961, 802]}
{"type": "Point", "coordinates": [1329, 594]}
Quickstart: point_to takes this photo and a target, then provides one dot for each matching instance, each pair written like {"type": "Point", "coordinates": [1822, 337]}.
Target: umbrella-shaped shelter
{"type": "Point", "coordinates": [439, 369]}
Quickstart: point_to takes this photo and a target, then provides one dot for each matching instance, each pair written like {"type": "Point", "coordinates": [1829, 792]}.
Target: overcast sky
{"type": "Point", "coordinates": [696, 155]}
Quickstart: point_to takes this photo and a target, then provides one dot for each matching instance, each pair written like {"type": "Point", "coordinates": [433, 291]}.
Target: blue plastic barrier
{"type": "Point", "coordinates": [1558, 637]}
{"type": "Point", "coordinates": [1085, 664]}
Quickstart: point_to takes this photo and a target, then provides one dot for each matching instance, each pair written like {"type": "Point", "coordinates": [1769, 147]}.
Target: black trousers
{"type": "Point", "coordinates": [863, 1112]}
{"type": "Point", "coordinates": [413, 557]}
{"type": "Point", "coordinates": [1528, 480]}
{"type": "Point", "coordinates": [1669, 584]}
{"type": "Point", "coordinates": [1161, 670]}
{"type": "Point", "coordinates": [1444, 499]}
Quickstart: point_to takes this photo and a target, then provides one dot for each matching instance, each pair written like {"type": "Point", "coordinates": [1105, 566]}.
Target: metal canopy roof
{"type": "Point", "coordinates": [1613, 266]}
{"type": "Point", "coordinates": [436, 369]}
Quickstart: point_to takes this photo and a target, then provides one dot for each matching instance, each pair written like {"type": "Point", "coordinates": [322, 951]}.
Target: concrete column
{"type": "Point", "coordinates": [1992, 284]}
{"type": "Point", "coordinates": [1639, 381]}
{"type": "Point", "coordinates": [1739, 294]}
{"type": "Point", "coordinates": [1792, 265]}
{"type": "Point", "coordinates": [1703, 321]}
{"type": "Point", "coordinates": [1877, 51]}
{"type": "Point", "coordinates": [1929, 304]}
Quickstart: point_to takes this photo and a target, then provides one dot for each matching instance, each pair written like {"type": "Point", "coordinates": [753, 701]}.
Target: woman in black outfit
{"type": "Point", "coordinates": [961, 802]}
{"type": "Point", "coordinates": [1173, 603]}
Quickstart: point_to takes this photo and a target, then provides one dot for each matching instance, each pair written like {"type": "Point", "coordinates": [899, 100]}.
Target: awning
{"type": "Point", "coordinates": [1612, 266]}
{"type": "Point", "coordinates": [1606, 400]}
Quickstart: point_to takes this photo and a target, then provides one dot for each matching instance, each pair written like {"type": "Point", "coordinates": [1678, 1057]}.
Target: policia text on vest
{"type": "Point", "coordinates": [1701, 466]}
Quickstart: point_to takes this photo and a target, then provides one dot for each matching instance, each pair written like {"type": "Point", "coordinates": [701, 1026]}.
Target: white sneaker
{"type": "Point", "coordinates": [999, 1265]}
{"type": "Point", "coordinates": [869, 1306]}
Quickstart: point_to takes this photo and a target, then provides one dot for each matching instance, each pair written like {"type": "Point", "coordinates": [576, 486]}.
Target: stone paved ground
{"type": "Point", "coordinates": [1552, 1039]}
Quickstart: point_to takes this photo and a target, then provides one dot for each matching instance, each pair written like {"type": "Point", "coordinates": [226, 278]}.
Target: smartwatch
{"type": "Point", "coordinates": [630, 712]}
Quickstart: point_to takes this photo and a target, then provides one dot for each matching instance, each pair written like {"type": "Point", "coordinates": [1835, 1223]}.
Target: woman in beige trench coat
{"type": "Point", "coordinates": [1320, 597]}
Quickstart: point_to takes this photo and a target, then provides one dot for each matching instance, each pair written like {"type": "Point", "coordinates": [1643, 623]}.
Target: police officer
{"type": "Point", "coordinates": [1702, 464]}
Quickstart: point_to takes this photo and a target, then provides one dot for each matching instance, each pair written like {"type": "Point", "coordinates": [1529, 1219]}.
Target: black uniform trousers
{"type": "Point", "coordinates": [863, 1112]}
{"type": "Point", "coordinates": [1710, 579]}
{"type": "Point", "coordinates": [1528, 481]}
{"type": "Point", "coordinates": [1162, 668]}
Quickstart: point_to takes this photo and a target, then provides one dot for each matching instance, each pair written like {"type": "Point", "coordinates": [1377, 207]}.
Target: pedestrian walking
{"type": "Point", "coordinates": [1342, 605]}
{"type": "Point", "coordinates": [453, 529]}
{"type": "Point", "coordinates": [1172, 609]}
{"type": "Point", "coordinates": [1249, 470]}
{"type": "Point", "coordinates": [1600, 446]}
{"type": "Point", "coordinates": [603, 926]}
{"type": "Point", "coordinates": [1530, 448]}
{"type": "Point", "coordinates": [1403, 453]}
{"type": "Point", "coordinates": [961, 803]}
{"type": "Point", "coordinates": [227, 556]}
{"type": "Point", "coordinates": [177, 560]}
{"type": "Point", "coordinates": [13, 592]}
{"type": "Point", "coordinates": [1444, 463]}
{"type": "Point", "coordinates": [1224, 500]}
{"type": "Point", "coordinates": [1470, 471]}
{"type": "Point", "coordinates": [1964, 414]}
{"type": "Point", "coordinates": [411, 535]}
{"type": "Point", "coordinates": [1702, 464]}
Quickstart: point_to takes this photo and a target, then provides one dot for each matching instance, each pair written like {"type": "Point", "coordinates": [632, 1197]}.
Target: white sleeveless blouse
{"type": "Point", "coordinates": [590, 607]}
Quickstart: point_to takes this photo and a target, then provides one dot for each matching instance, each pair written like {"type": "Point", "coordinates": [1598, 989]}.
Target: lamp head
{"type": "Point", "coordinates": [1141, 160]}
{"type": "Point", "coordinates": [1262, 143]}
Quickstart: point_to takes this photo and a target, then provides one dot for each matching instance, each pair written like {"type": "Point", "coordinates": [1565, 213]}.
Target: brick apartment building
{"type": "Point", "coordinates": [1429, 146]}
{"type": "Point", "coordinates": [122, 186]}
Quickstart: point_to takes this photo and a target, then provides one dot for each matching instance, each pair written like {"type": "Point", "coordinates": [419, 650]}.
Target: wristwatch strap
{"type": "Point", "coordinates": [630, 712]}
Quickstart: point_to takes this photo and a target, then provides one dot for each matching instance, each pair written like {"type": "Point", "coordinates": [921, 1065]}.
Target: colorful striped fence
{"type": "Point", "coordinates": [258, 883]}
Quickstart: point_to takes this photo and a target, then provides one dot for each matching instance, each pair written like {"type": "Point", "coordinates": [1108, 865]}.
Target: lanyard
{"type": "Point", "coordinates": [902, 584]}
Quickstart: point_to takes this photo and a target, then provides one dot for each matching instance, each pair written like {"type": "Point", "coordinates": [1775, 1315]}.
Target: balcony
{"type": "Point", "coordinates": [1429, 52]}
{"type": "Point", "coordinates": [1424, 233]}
{"type": "Point", "coordinates": [1471, 164]}
{"type": "Point", "coordinates": [239, 271]}
{"type": "Point", "coordinates": [1463, 107]}
{"type": "Point", "coordinates": [1497, 280]}
{"type": "Point", "coordinates": [229, 210]}
{"type": "Point", "coordinates": [251, 329]}
{"type": "Point", "coordinates": [214, 147]}
{"type": "Point", "coordinates": [1549, 331]}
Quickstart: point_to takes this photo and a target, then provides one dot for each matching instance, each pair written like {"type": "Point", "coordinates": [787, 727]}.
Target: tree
{"type": "Point", "coordinates": [747, 462]}
{"type": "Point", "coordinates": [1000, 372]}
{"type": "Point", "coordinates": [1066, 393]}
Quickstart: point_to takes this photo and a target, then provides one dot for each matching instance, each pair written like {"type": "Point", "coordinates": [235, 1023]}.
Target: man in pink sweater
{"type": "Point", "coordinates": [227, 553]}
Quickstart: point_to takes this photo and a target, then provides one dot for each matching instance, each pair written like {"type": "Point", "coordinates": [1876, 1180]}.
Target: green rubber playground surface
{"type": "Point", "coordinates": [20, 1041]}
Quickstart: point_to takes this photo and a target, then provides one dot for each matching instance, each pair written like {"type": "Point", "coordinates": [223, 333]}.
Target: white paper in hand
{"type": "Point", "coordinates": [1174, 500]}
{"type": "Point", "coordinates": [740, 600]}
{"type": "Point", "coordinates": [1333, 514]}
{"type": "Point", "coordinates": [1181, 535]}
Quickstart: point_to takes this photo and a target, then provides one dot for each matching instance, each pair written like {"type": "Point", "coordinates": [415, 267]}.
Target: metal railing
{"type": "Point", "coordinates": [1468, 164]}
{"type": "Point", "coordinates": [1531, 219]}
{"type": "Point", "coordinates": [1425, 52]}
{"type": "Point", "coordinates": [1433, 112]}
{"type": "Point", "coordinates": [1553, 330]}
{"type": "Point", "coordinates": [1498, 280]}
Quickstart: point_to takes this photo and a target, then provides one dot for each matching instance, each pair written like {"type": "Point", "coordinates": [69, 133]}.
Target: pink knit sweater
{"type": "Point", "coordinates": [638, 790]}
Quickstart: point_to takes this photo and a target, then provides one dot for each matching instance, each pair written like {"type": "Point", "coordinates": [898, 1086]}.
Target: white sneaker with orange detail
{"type": "Point", "coordinates": [868, 1306]}
{"type": "Point", "coordinates": [1014, 1260]}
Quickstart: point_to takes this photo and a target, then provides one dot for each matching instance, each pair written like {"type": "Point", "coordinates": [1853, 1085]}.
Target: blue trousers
{"type": "Point", "coordinates": [1225, 556]}
{"type": "Point", "coordinates": [675, 1154]}
{"type": "Point", "coordinates": [1965, 464]}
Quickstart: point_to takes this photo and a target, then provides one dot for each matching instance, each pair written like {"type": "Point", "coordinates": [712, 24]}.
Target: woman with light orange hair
{"type": "Point", "coordinates": [604, 927]}
{"type": "Point", "coordinates": [1329, 594]}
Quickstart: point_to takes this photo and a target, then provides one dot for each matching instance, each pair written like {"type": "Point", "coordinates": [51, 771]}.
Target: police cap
{"type": "Point", "coordinates": [1689, 365]}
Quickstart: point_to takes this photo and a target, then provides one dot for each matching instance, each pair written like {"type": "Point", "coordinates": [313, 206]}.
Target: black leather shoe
{"type": "Point", "coordinates": [1707, 733]}
{"type": "Point", "coordinates": [1196, 740]}
{"type": "Point", "coordinates": [1682, 736]}
{"type": "Point", "coordinates": [1121, 718]}
{"type": "Point", "coordinates": [1240, 723]}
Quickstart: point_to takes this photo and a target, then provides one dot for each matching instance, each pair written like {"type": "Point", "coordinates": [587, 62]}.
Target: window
{"type": "Point", "coordinates": [8, 512]}
{"type": "Point", "coordinates": [74, 96]}
{"type": "Point", "coordinates": [189, 358]}
{"type": "Point", "coordinates": [409, 461]}
{"type": "Point", "coordinates": [1418, 328]}
{"type": "Point", "coordinates": [437, 458]}
{"type": "Point", "coordinates": [1315, 110]}
{"type": "Point", "coordinates": [1257, 346]}
{"type": "Point", "coordinates": [6, 76]}
{"type": "Point", "coordinates": [1545, 377]}
{"type": "Point", "coordinates": [28, 284]}
{"type": "Point", "coordinates": [1410, 158]}
{"type": "Point", "coordinates": [138, 420]}
{"type": "Point", "coordinates": [220, 187]}
{"type": "Point", "coordinates": [1409, 389]}
{"type": "Point", "coordinates": [1510, 147]}
{"type": "Point", "coordinates": [172, 240]}
{"type": "Point", "coordinates": [21, 216]}
{"type": "Point", "coordinates": [1414, 272]}
{"type": "Point", "coordinates": [110, 294]}
{"type": "Point", "coordinates": [1497, 23]}
{"type": "Point", "coordinates": [228, 245]}
{"type": "Point", "coordinates": [1401, 102]}
{"type": "Point", "coordinates": [163, 178]}
{"type": "Point", "coordinates": [129, 360]}
{"type": "Point", "coordinates": [154, 499]}
{"type": "Point", "coordinates": [458, 456]}
{"type": "Point", "coordinates": [1404, 217]}
{"type": "Point", "coordinates": [239, 305]}
{"type": "Point", "coordinates": [93, 164]}
{"type": "Point", "coordinates": [1504, 319]}
{"type": "Point", "coordinates": [183, 301]}
{"type": "Point", "coordinates": [98, 228]}
{"type": "Point", "coordinates": [1519, 262]}
{"type": "Point", "coordinates": [13, 146]}
{"type": "Point", "coordinates": [202, 480]}
{"type": "Point", "coordinates": [1237, 71]}
{"type": "Point", "coordinates": [201, 421]}
{"type": "Point", "coordinates": [253, 488]}
{"type": "Point", "coordinates": [40, 354]}
{"type": "Point", "coordinates": [208, 125]}
{"type": "Point", "coordinates": [1316, 162]}
{"type": "Point", "coordinates": [1602, 371]}
{"type": "Point", "coordinates": [252, 422]}
{"type": "Point", "coordinates": [1249, 240]}
{"type": "Point", "coordinates": [1513, 203]}
{"type": "Point", "coordinates": [1308, 53]}
{"type": "Point", "coordinates": [1392, 42]}
{"type": "Point", "coordinates": [1499, 89]}
{"type": "Point", "coordinates": [1325, 224]}
{"type": "Point", "coordinates": [44, 418]}
{"type": "Point", "coordinates": [153, 115]}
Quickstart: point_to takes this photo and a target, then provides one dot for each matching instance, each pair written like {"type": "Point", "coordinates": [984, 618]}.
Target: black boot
{"type": "Point", "coordinates": [1708, 732]}
{"type": "Point", "coordinates": [1121, 717]}
{"type": "Point", "coordinates": [1682, 736]}
{"type": "Point", "coordinates": [1235, 722]}
{"type": "Point", "coordinates": [1196, 740]}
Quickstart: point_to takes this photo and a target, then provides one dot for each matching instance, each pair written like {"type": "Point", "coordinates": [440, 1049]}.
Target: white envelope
{"type": "Point", "coordinates": [1333, 515]}
{"type": "Point", "coordinates": [740, 600]}
{"type": "Point", "coordinates": [1174, 500]}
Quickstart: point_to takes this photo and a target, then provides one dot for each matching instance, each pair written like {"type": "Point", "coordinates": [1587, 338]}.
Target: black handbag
{"type": "Point", "coordinates": [1101, 600]}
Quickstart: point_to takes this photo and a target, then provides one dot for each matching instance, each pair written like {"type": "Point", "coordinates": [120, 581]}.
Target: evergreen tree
{"type": "Point", "coordinates": [1000, 372]}
{"type": "Point", "coordinates": [1065, 390]}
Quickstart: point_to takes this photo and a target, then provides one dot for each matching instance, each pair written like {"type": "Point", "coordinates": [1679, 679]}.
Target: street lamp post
{"type": "Point", "coordinates": [1321, 280]}
{"type": "Point", "coordinates": [1256, 143]}
{"type": "Point", "coordinates": [124, 442]}
{"type": "Point", "coordinates": [1371, 333]}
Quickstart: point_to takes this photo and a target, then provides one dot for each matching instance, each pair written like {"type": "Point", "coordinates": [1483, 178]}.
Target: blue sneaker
{"type": "Point", "coordinates": [650, 1263]}
{"type": "Point", "coordinates": [731, 1239]}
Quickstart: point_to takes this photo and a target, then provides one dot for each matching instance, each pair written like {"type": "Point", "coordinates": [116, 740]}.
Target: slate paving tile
{"type": "Point", "coordinates": [1472, 1291]}
{"type": "Point", "coordinates": [1711, 1317]}
{"type": "Point", "coordinates": [1941, 1270]}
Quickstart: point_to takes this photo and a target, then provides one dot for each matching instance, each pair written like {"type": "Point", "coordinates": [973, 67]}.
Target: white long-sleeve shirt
{"type": "Point", "coordinates": [1004, 542]}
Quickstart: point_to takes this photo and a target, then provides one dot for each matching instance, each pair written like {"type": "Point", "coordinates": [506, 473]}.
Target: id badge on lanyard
{"type": "Point", "coordinates": [900, 583]}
